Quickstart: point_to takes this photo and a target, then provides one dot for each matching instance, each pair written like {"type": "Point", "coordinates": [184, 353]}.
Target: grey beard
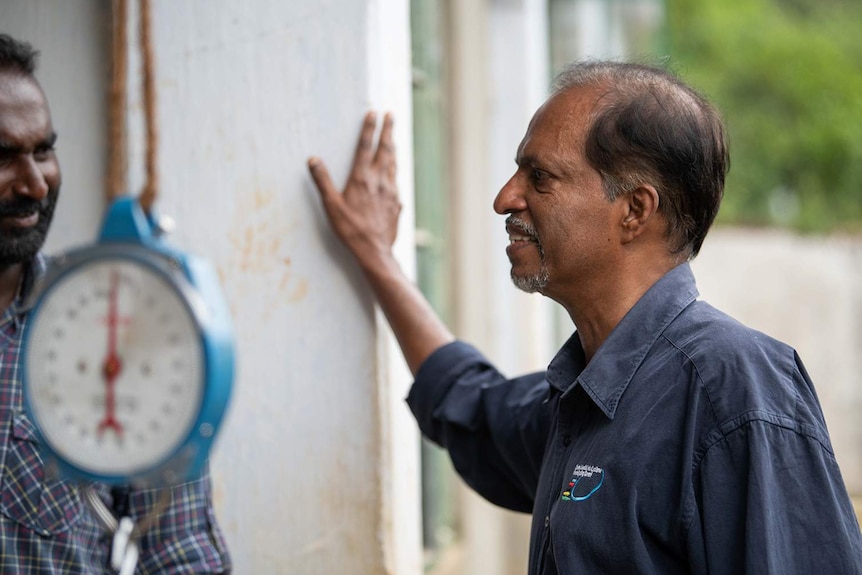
{"type": "Point", "coordinates": [531, 283]}
{"type": "Point", "coordinates": [534, 283]}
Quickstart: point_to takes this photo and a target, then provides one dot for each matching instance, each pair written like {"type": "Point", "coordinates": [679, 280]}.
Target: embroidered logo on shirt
{"type": "Point", "coordinates": [586, 480]}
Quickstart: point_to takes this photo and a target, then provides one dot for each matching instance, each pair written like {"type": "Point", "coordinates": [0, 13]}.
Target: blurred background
{"type": "Point", "coordinates": [319, 468]}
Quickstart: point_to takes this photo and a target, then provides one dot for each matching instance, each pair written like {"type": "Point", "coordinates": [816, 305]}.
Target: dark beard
{"type": "Point", "coordinates": [19, 245]}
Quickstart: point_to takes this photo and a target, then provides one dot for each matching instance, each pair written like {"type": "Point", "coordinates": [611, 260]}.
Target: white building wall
{"type": "Point", "coordinates": [316, 467]}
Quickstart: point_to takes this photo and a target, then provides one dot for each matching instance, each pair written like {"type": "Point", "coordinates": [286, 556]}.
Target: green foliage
{"type": "Point", "coordinates": [787, 77]}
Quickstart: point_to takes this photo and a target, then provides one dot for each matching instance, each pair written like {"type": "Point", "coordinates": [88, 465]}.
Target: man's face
{"type": "Point", "coordinates": [29, 171]}
{"type": "Point", "coordinates": [560, 221]}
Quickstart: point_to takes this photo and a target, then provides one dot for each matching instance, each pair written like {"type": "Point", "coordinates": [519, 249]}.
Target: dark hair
{"type": "Point", "coordinates": [649, 127]}
{"type": "Point", "coordinates": [17, 56]}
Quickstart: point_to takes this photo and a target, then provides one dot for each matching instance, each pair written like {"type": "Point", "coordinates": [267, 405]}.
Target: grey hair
{"type": "Point", "coordinates": [651, 128]}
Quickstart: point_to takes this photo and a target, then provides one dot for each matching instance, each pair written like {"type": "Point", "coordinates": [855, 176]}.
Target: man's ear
{"type": "Point", "coordinates": [640, 207]}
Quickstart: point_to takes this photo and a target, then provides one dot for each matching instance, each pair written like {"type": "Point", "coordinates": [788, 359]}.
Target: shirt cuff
{"type": "Point", "coordinates": [436, 376]}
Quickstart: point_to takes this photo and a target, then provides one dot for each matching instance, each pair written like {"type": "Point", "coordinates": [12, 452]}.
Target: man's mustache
{"type": "Point", "coordinates": [20, 207]}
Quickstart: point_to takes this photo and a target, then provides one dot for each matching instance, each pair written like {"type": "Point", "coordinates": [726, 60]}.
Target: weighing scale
{"type": "Point", "coordinates": [128, 357]}
{"type": "Point", "coordinates": [128, 363]}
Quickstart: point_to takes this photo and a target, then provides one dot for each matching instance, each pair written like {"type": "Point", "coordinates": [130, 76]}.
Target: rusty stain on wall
{"type": "Point", "coordinates": [261, 236]}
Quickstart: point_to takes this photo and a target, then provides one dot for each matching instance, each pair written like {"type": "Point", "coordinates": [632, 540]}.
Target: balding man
{"type": "Point", "coordinates": [664, 437]}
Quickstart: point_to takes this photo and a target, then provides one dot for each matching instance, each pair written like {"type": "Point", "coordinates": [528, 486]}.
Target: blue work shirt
{"type": "Point", "coordinates": [688, 444]}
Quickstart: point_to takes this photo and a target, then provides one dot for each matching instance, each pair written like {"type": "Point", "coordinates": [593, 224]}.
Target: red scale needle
{"type": "Point", "coordinates": [113, 365]}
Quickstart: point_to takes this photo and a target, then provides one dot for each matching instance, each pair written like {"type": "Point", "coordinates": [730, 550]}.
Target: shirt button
{"type": "Point", "coordinates": [567, 440]}
{"type": "Point", "coordinates": [547, 521]}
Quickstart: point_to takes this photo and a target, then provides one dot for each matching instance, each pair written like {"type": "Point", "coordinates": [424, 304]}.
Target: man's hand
{"type": "Point", "coordinates": [365, 215]}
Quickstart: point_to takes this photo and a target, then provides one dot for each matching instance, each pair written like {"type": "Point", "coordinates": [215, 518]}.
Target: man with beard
{"type": "Point", "coordinates": [45, 527]}
{"type": "Point", "coordinates": [664, 436]}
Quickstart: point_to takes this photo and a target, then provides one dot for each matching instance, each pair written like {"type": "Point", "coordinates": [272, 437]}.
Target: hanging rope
{"type": "Point", "coordinates": [148, 195]}
{"type": "Point", "coordinates": [118, 166]}
{"type": "Point", "coordinates": [116, 184]}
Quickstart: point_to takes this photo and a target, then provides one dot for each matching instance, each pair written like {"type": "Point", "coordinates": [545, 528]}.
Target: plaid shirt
{"type": "Point", "coordinates": [45, 526]}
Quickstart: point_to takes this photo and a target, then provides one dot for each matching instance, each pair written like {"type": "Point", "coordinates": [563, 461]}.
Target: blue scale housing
{"type": "Point", "coordinates": [128, 233]}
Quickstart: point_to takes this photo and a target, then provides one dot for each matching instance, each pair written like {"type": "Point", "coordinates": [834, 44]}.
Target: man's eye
{"type": "Point", "coordinates": [43, 152]}
{"type": "Point", "coordinates": [538, 175]}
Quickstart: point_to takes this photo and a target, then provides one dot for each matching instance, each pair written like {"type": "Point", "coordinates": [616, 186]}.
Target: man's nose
{"type": "Point", "coordinates": [30, 180]}
{"type": "Point", "coordinates": [510, 198]}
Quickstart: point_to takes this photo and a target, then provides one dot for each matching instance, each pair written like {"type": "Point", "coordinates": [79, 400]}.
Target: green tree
{"type": "Point", "coordinates": [787, 77]}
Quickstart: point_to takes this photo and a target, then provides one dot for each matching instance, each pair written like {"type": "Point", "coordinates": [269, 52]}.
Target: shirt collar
{"type": "Point", "coordinates": [609, 372]}
{"type": "Point", "coordinates": [33, 271]}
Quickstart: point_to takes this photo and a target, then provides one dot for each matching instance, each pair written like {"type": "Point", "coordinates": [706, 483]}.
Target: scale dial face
{"type": "Point", "coordinates": [115, 366]}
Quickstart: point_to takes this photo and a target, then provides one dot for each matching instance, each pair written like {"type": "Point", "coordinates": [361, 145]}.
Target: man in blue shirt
{"type": "Point", "coordinates": [664, 437]}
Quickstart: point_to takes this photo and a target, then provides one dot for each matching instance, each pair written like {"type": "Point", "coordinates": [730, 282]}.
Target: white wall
{"type": "Point", "coordinates": [249, 90]}
{"type": "Point", "coordinates": [316, 468]}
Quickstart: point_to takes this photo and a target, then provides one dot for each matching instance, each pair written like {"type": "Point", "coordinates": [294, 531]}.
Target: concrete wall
{"type": "Point", "coordinates": [316, 468]}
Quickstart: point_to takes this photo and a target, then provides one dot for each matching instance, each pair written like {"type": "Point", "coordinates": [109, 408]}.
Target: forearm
{"type": "Point", "coordinates": [416, 326]}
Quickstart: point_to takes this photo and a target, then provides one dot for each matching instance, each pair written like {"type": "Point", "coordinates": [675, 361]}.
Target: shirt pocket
{"type": "Point", "coordinates": [48, 506]}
